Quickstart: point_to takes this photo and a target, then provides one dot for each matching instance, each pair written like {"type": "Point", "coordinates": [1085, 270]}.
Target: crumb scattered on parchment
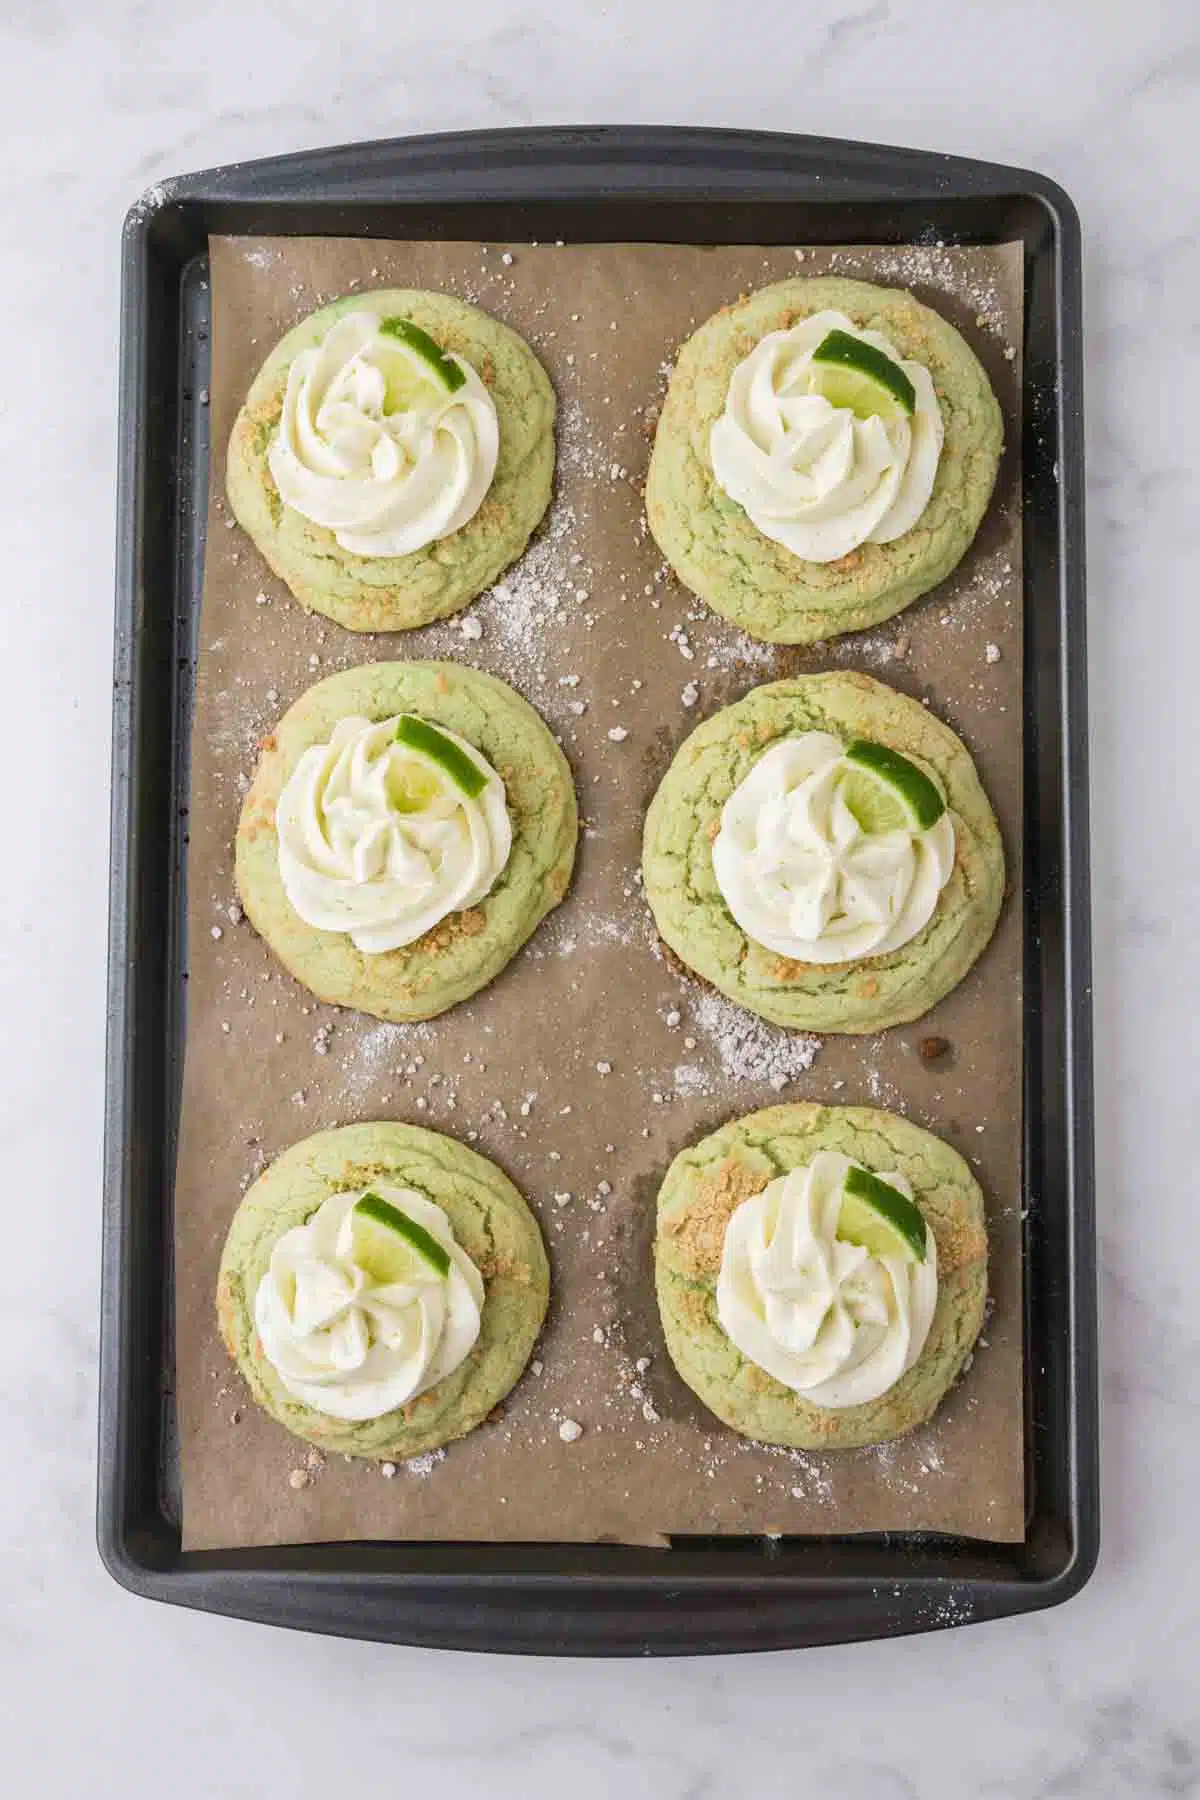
{"type": "Point", "coordinates": [306, 1474]}
{"type": "Point", "coordinates": [881, 1091]}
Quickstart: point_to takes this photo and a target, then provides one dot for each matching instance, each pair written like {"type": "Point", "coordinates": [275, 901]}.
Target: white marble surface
{"type": "Point", "coordinates": [102, 1695]}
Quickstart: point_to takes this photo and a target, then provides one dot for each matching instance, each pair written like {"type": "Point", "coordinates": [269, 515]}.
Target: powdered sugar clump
{"type": "Point", "coordinates": [737, 651]}
{"type": "Point", "coordinates": [749, 1048]}
{"type": "Point", "coordinates": [424, 1465]}
{"type": "Point", "coordinates": [690, 1079]}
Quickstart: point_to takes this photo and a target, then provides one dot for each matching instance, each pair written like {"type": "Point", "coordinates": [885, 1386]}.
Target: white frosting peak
{"type": "Point", "coordinates": [800, 875]}
{"type": "Point", "coordinates": [812, 476]}
{"type": "Point", "coordinates": [376, 840]}
{"type": "Point", "coordinates": [351, 1348]}
{"type": "Point", "coordinates": [372, 449]}
{"type": "Point", "coordinates": [826, 1318]}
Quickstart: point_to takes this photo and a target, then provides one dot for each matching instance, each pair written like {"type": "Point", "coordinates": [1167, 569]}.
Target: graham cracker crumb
{"type": "Point", "coordinates": [699, 1228]}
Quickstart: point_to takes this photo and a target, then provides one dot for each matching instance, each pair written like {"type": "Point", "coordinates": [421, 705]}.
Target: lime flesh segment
{"type": "Point", "coordinates": [853, 374]}
{"type": "Point", "coordinates": [879, 1218]}
{"type": "Point", "coordinates": [448, 376]}
{"type": "Point", "coordinates": [389, 1246]}
{"type": "Point", "coordinates": [411, 787]}
{"type": "Point", "coordinates": [419, 735]}
{"type": "Point", "coordinates": [410, 387]}
{"type": "Point", "coordinates": [886, 792]}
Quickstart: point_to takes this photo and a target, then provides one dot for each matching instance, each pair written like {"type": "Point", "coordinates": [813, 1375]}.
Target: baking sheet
{"type": "Point", "coordinates": [589, 619]}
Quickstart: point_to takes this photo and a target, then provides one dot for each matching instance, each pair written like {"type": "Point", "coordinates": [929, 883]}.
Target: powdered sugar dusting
{"type": "Point", "coordinates": [994, 577]}
{"type": "Point", "coordinates": [737, 651]}
{"type": "Point", "coordinates": [582, 927]}
{"type": "Point", "coordinates": [877, 649]}
{"type": "Point", "coordinates": [808, 1476]}
{"type": "Point", "coordinates": [521, 612]}
{"type": "Point", "coordinates": [690, 1078]}
{"type": "Point", "coordinates": [881, 1090]}
{"type": "Point", "coordinates": [749, 1048]}
{"type": "Point", "coordinates": [378, 1051]}
{"type": "Point", "coordinates": [971, 281]}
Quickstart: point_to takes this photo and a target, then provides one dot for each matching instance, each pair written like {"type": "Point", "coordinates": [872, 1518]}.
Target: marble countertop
{"type": "Point", "coordinates": [103, 1695]}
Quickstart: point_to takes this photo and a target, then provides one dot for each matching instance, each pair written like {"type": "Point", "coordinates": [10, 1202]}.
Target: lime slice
{"type": "Point", "coordinates": [435, 365]}
{"type": "Point", "coordinates": [851, 373]}
{"type": "Point", "coordinates": [389, 1246]}
{"type": "Point", "coordinates": [412, 787]}
{"type": "Point", "coordinates": [880, 1218]}
{"type": "Point", "coordinates": [409, 386]}
{"type": "Point", "coordinates": [886, 792]}
{"type": "Point", "coordinates": [419, 735]}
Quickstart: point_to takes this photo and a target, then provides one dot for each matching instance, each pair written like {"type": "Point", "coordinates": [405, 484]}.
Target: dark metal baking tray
{"type": "Point", "coordinates": [617, 183]}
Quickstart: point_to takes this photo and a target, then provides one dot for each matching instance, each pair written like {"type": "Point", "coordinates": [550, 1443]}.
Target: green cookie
{"type": "Point", "coordinates": [709, 1180]}
{"type": "Point", "coordinates": [368, 593]}
{"type": "Point", "coordinates": [711, 543]}
{"type": "Point", "coordinates": [466, 949]}
{"type": "Point", "coordinates": [491, 1222]}
{"type": "Point", "coordinates": [694, 921]}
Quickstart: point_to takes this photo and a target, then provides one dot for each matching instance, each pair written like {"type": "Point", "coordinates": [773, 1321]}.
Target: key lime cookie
{"type": "Point", "coordinates": [408, 826]}
{"type": "Point", "coordinates": [381, 1289]}
{"type": "Point", "coordinates": [822, 852]}
{"type": "Point", "coordinates": [826, 451]}
{"type": "Point", "coordinates": [821, 1273]}
{"type": "Point", "coordinates": [393, 456]}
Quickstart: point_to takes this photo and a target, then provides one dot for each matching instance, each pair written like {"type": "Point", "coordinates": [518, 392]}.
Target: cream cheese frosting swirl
{"type": "Point", "coordinates": [813, 476]}
{"type": "Point", "coordinates": [378, 840]}
{"type": "Point", "coordinates": [374, 449]}
{"type": "Point", "coordinates": [352, 1348]}
{"type": "Point", "coordinates": [802, 877]}
{"type": "Point", "coordinates": [827, 1318]}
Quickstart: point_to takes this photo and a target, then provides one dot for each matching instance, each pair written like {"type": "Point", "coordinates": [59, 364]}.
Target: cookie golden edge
{"type": "Point", "coordinates": [874, 993]}
{"type": "Point", "coordinates": [401, 593]}
{"type": "Point", "coordinates": [717, 551]}
{"type": "Point", "coordinates": [699, 1193]}
{"type": "Point", "coordinates": [469, 949]}
{"type": "Point", "coordinates": [492, 1222]}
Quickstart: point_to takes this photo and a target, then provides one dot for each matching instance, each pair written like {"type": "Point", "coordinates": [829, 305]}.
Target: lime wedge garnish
{"type": "Point", "coordinates": [436, 365]}
{"type": "Point", "coordinates": [410, 387]}
{"type": "Point", "coordinates": [419, 735]}
{"type": "Point", "coordinates": [411, 786]}
{"type": "Point", "coordinates": [886, 792]}
{"type": "Point", "coordinates": [879, 1217]}
{"type": "Point", "coordinates": [851, 373]}
{"type": "Point", "coordinates": [389, 1246]}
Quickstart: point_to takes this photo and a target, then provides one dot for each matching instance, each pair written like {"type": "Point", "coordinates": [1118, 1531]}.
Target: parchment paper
{"type": "Point", "coordinates": [590, 618]}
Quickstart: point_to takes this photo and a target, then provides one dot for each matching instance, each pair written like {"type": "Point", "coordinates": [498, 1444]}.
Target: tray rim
{"type": "Point", "coordinates": [744, 1603]}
